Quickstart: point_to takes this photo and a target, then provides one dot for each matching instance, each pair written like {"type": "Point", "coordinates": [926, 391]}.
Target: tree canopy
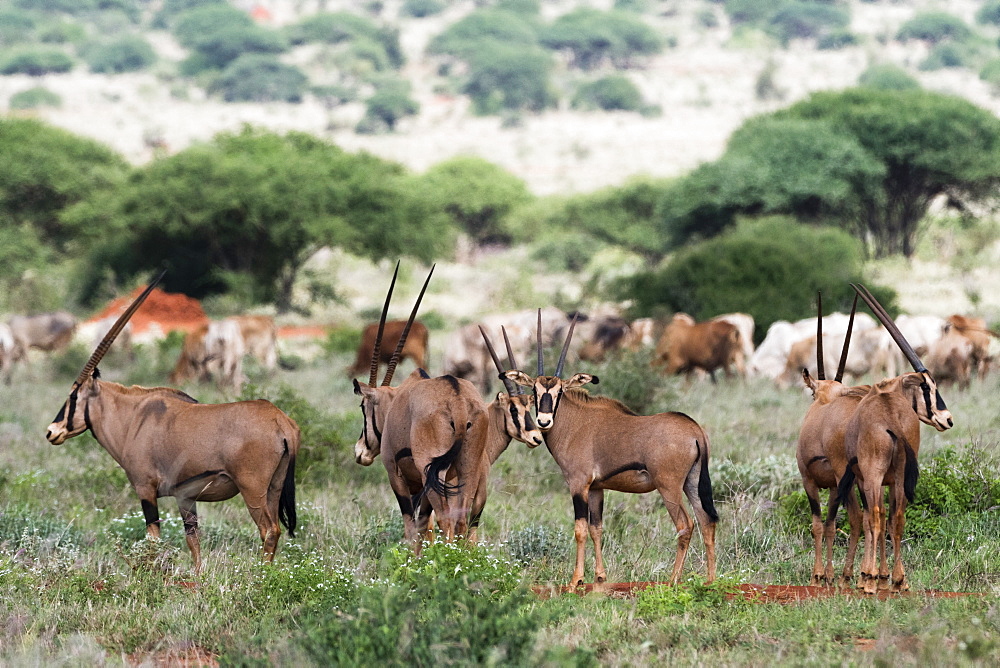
{"type": "Point", "coordinates": [253, 206]}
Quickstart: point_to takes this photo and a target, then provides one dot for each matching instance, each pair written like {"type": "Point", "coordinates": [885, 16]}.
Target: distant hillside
{"type": "Point", "coordinates": [711, 77]}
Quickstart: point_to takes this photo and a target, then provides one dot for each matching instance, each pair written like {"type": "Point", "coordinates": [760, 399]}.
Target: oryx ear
{"type": "Point", "coordinates": [808, 380]}
{"type": "Point", "coordinates": [578, 379]}
{"type": "Point", "coordinates": [502, 398]}
{"type": "Point", "coordinates": [363, 390]}
{"type": "Point", "coordinates": [518, 377]}
{"type": "Point", "coordinates": [912, 380]}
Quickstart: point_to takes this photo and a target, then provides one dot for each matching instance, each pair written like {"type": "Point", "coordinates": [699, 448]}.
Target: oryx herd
{"type": "Point", "coordinates": [438, 439]}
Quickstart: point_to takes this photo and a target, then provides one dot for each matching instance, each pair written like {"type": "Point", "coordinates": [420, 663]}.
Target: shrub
{"type": "Point", "coordinates": [625, 377]}
{"type": "Point", "coordinates": [990, 73]}
{"type": "Point", "coordinates": [526, 7]}
{"type": "Point", "coordinates": [593, 36]}
{"type": "Point", "coordinates": [196, 25]}
{"type": "Point", "coordinates": [33, 98]}
{"type": "Point", "coordinates": [804, 20]}
{"type": "Point", "coordinates": [36, 61]}
{"type": "Point", "coordinates": [484, 27]}
{"type": "Point", "coordinates": [836, 39]}
{"type": "Point", "coordinates": [534, 543]}
{"type": "Point", "coordinates": [331, 28]}
{"type": "Point", "coordinates": [944, 55]}
{"type": "Point", "coordinates": [16, 26]}
{"type": "Point", "coordinates": [758, 268]}
{"type": "Point", "coordinates": [934, 27]}
{"type": "Point", "coordinates": [55, 6]}
{"type": "Point", "coordinates": [226, 45]}
{"type": "Point", "coordinates": [887, 77]}
{"type": "Point", "coordinates": [610, 93]}
{"type": "Point", "coordinates": [509, 76]}
{"type": "Point", "coordinates": [172, 9]}
{"type": "Point", "coordinates": [390, 103]}
{"type": "Point", "coordinates": [126, 54]}
{"type": "Point", "coordinates": [657, 602]}
{"type": "Point", "coordinates": [989, 12]}
{"type": "Point", "coordinates": [953, 483]}
{"type": "Point", "coordinates": [421, 8]}
{"type": "Point", "coordinates": [260, 78]}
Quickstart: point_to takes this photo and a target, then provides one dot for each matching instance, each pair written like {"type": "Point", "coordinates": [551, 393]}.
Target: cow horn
{"type": "Point", "coordinates": [538, 344]}
{"type": "Point", "coordinates": [562, 355]}
{"type": "Point", "coordinates": [510, 358]}
{"type": "Point", "coordinates": [890, 326]}
{"type": "Point", "coordinates": [820, 370]}
{"type": "Point", "coordinates": [377, 348]}
{"type": "Point", "coordinates": [115, 330]}
{"type": "Point", "coordinates": [847, 341]}
{"type": "Point", "coordinates": [510, 385]}
{"type": "Point", "coordinates": [406, 331]}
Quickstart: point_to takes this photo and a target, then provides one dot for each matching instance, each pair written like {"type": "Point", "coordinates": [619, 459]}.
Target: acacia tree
{"type": "Point", "coordinates": [254, 206]}
{"type": "Point", "coordinates": [928, 144]}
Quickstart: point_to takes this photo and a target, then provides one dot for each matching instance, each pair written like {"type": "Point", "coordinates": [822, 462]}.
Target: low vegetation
{"type": "Point", "coordinates": [79, 583]}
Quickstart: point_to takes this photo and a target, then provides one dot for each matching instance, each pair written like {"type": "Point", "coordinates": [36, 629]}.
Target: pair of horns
{"type": "Point", "coordinates": [115, 330]}
{"type": "Point", "coordinates": [565, 348]}
{"type": "Point", "coordinates": [394, 360]}
{"type": "Point", "coordinates": [513, 388]}
{"type": "Point", "coordinates": [890, 327]}
{"type": "Point", "coordinates": [820, 371]}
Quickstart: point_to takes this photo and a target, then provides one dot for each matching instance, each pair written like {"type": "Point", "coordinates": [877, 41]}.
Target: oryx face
{"type": "Point", "coordinates": [927, 401]}
{"type": "Point", "coordinates": [548, 391]}
{"type": "Point", "coordinates": [369, 444]}
{"type": "Point", "coordinates": [518, 423]}
{"type": "Point", "coordinates": [74, 417]}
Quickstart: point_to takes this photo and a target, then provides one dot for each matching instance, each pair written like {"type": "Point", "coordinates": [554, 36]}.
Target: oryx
{"type": "Point", "coordinates": [600, 444]}
{"type": "Point", "coordinates": [170, 445]}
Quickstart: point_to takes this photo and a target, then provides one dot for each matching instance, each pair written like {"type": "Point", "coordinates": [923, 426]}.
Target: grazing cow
{"type": "Point", "coordinates": [7, 351]}
{"type": "Point", "coordinates": [466, 356]}
{"type": "Point", "coordinates": [191, 363]}
{"type": "Point", "coordinates": [871, 351]}
{"type": "Point", "coordinates": [104, 325]}
{"type": "Point", "coordinates": [48, 332]}
{"type": "Point", "coordinates": [975, 330]}
{"type": "Point", "coordinates": [686, 346]}
{"type": "Point", "coordinates": [215, 349]}
{"type": "Point", "coordinates": [415, 347]}
{"type": "Point", "coordinates": [771, 356]}
{"type": "Point", "coordinates": [260, 338]}
{"type": "Point", "coordinates": [745, 323]}
{"type": "Point", "coordinates": [950, 358]}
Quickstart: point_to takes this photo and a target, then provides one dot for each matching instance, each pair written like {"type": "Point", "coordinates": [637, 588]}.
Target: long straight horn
{"type": "Point", "coordinates": [820, 370]}
{"type": "Point", "coordinates": [377, 348]}
{"type": "Point", "coordinates": [562, 355]}
{"type": "Point", "coordinates": [510, 385]}
{"type": "Point", "coordinates": [847, 341]}
{"type": "Point", "coordinates": [406, 332]}
{"type": "Point", "coordinates": [890, 326]}
{"type": "Point", "coordinates": [115, 330]}
{"type": "Point", "coordinates": [538, 344]}
{"type": "Point", "coordinates": [510, 360]}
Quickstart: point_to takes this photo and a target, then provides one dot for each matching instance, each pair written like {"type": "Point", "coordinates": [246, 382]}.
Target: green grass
{"type": "Point", "coordinates": [79, 584]}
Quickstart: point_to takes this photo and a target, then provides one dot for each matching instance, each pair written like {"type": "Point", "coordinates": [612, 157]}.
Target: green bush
{"type": "Point", "coordinates": [504, 76]}
{"type": "Point", "coordinates": [126, 54]}
{"type": "Point", "coordinates": [170, 10]}
{"type": "Point", "coordinates": [36, 61]}
{"type": "Point", "coordinates": [260, 78]}
{"type": "Point", "coordinates": [593, 36]}
{"type": "Point", "coordinates": [944, 55]}
{"type": "Point", "coordinates": [934, 27]}
{"type": "Point", "coordinates": [836, 39]}
{"type": "Point", "coordinates": [56, 6]}
{"type": "Point", "coordinates": [33, 98]}
{"type": "Point", "coordinates": [760, 267]}
{"type": "Point", "coordinates": [331, 28]}
{"type": "Point", "coordinates": [532, 544]}
{"type": "Point", "coordinates": [990, 73]}
{"type": "Point", "coordinates": [805, 20]}
{"type": "Point", "coordinates": [526, 7]}
{"type": "Point", "coordinates": [989, 13]}
{"type": "Point", "coordinates": [390, 103]}
{"type": "Point", "coordinates": [467, 563]}
{"type": "Point", "coordinates": [887, 77]}
{"type": "Point", "coordinates": [953, 483]}
{"type": "Point", "coordinates": [201, 22]}
{"type": "Point", "coordinates": [611, 93]}
{"type": "Point", "coordinates": [625, 377]}
{"type": "Point", "coordinates": [657, 602]}
{"type": "Point", "coordinates": [484, 27]}
{"type": "Point", "coordinates": [422, 8]}
{"type": "Point", "coordinates": [16, 26]}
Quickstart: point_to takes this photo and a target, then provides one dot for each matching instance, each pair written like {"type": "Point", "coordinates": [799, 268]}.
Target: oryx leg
{"type": "Point", "coordinates": [581, 518]}
{"type": "Point", "coordinates": [255, 498]}
{"type": "Point", "coordinates": [673, 498]}
{"type": "Point", "coordinates": [150, 512]}
{"type": "Point", "coordinates": [812, 493]}
{"type": "Point", "coordinates": [883, 564]}
{"type": "Point", "coordinates": [595, 504]}
{"type": "Point", "coordinates": [874, 523]}
{"type": "Point", "coordinates": [857, 522]}
{"type": "Point", "coordinates": [829, 533]}
{"type": "Point", "coordinates": [898, 508]}
{"type": "Point", "coordinates": [706, 523]}
{"type": "Point", "coordinates": [189, 514]}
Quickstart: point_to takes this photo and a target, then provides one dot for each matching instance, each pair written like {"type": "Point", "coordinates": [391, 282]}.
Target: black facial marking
{"type": "Point", "coordinates": [940, 402]}
{"type": "Point", "coordinates": [927, 397]}
{"type": "Point", "coordinates": [514, 416]}
{"type": "Point", "coordinates": [545, 403]}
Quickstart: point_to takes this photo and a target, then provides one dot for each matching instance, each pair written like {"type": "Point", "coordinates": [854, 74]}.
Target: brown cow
{"type": "Point", "coordinates": [415, 347]}
{"type": "Point", "coordinates": [686, 346]}
{"type": "Point", "coordinates": [975, 330]}
{"type": "Point", "coordinates": [950, 358]}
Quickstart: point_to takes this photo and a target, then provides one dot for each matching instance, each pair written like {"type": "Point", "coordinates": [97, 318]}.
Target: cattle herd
{"type": "Point", "coordinates": [438, 439]}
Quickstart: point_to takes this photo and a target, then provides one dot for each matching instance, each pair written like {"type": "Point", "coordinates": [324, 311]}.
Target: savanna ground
{"type": "Point", "coordinates": [80, 585]}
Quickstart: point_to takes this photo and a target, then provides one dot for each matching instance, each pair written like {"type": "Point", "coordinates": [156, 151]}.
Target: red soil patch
{"type": "Point", "coordinates": [182, 656]}
{"type": "Point", "coordinates": [163, 310]}
{"type": "Point", "coordinates": [751, 592]}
